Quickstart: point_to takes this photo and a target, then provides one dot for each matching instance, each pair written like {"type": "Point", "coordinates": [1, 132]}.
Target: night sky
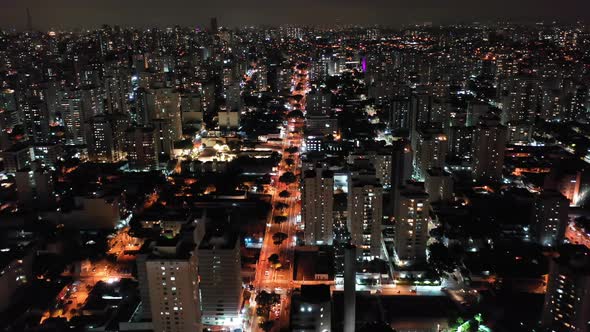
{"type": "Point", "coordinates": [91, 13]}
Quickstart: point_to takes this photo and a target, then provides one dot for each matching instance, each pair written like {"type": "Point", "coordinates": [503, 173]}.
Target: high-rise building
{"type": "Point", "coordinates": [489, 143]}
{"type": "Point", "coordinates": [36, 120]}
{"type": "Point", "coordinates": [104, 137]}
{"type": "Point", "coordinates": [233, 96]}
{"type": "Point", "coordinates": [365, 213]}
{"type": "Point", "coordinates": [29, 21]}
{"type": "Point", "coordinates": [398, 111]}
{"type": "Point", "coordinates": [317, 205]}
{"type": "Point", "coordinates": [213, 25]}
{"type": "Point", "coordinates": [391, 163]}
{"type": "Point", "coordinates": [550, 217]}
{"type": "Point", "coordinates": [140, 148]}
{"type": "Point", "coordinates": [71, 108]}
{"type": "Point", "coordinates": [420, 110]}
{"type": "Point", "coordinates": [321, 125]}
{"type": "Point", "coordinates": [311, 309]}
{"type": "Point", "coordinates": [519, 97]}
{"type": "Point", "coordinates": [192, 110]}
{"type": "Point", "coordinates": [34, 188]}
{"type": "Point", "coordinates": [228, 119]}
{"type": "Point", "coordinates": [431, 151]}
{"type": "Point", "coordinates": [9, 116]}
{"type": "Point", "coordinates": [319, 102]}
{"type": "Point", "coordinates": [221, 282]}
{"type": "Point", "coordinates": [164, 103]}
{"type": "Point", "coordinates": [169, 276]}
{"type": "Point", "coordinates": [439, 185]}
{"type": "Point", "coordinates": [460, 142]}
{"type": "Point", "coordinates": [411, 216]}
{"type": "Point", "coordinates": [350, 253]}
{"type": "Point", "coordinates": [92, 102]}
{"type": "Point", "coordinates": [380, 160]}
{"type": "Point", "coordinates": [17, 157]}
{"type": "Point", "coordinates": [567, 300]}
{"type": "Point", "coordinates": [567, 178]}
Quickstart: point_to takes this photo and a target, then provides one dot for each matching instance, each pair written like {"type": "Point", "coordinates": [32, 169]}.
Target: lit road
{"type": "Point", "coordinates": [122, 244]}
{"type": "Point", "coordinates": [267, 277]}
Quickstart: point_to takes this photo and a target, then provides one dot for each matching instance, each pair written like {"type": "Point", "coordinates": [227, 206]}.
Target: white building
{"type": "Point", "coordinates": [318, 201]}
{"type": "Point", "coordinates": [220, 277]}
{"type": "Point", "coordinates": [228, 119]}
{"type": "Point", "coordinates": [411, 216]}
{"type": "Point", "coordinates": [365, 213]}
{"type": "Point", "coordinates": [164, 103]}
{"type": "Point", "coordinates": [311, 309]}
{"type": "Point", "coordinates": [171, 277]}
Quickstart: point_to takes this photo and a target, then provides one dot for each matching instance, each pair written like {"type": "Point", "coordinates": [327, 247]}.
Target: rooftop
{"type": "Point", "coordinates": [219, 241]}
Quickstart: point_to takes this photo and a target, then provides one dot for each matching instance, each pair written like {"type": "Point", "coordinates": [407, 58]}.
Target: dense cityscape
{"type": "Point", "coordinates": [426, 178]}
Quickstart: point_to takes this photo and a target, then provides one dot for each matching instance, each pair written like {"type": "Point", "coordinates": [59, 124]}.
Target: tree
{"type": "Point", "coordinates": [284, 194]}
{"type": "Point", "coordinates": [262, 311]}
{"type": "Point", "coordinates": [295, 114]}
{"type": "Point", "coordinates": [281, 206]}
{"type": "Point", "coordinates": [287, 178]}
{"type": "Point", "coordinates": [280, 219]}
{"type": "Point", "coordinates": [273, 259]}
{"type": "Point", "coordinates": [297, 98]}
{"type": "Point", "coordinates": [292, 149]}
{"type": "Point", "coordinates": [267, 325]}
{"type": "Point", "coordinates": [266, 299]}
{"type": "Point", "coordinates": [279, 237]}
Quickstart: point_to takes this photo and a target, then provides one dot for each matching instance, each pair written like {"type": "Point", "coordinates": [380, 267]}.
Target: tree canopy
{"type": "Point", "coordinates": [279, 237]}
{"type": "Point", "coordinates": [288, 178]}
{"type": "Point", "coordinates": [280, 219]}
{"type": "Point", "coordinates": [274, 259]}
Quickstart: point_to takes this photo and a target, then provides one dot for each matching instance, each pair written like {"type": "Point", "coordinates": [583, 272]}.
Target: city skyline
{"type": "Point", "coordinates": [69, 14]}
{"type": "Point", "coordinates": [334, 178]}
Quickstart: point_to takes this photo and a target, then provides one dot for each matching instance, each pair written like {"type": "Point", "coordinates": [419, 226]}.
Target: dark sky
{"type": "Point", "coordinates": [91, 13]}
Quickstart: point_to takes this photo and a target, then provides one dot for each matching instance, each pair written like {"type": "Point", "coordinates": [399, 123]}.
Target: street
{"type": "Point", "coordinates": [280, 279]}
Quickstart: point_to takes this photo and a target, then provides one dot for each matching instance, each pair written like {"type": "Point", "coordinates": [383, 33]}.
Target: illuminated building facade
{"type": "Point", "coordinates": [550, 217]}
{"type": "Point", "coordinates": [489, 143]}
{"type": "Point", "coordinates": [317, 205]}
{"type": "Point", "coordinates": [567, 301]}
{"type": "Point", "coordinates": [411, 217]}
{"type": "Point", "coordinates": [365, 214]}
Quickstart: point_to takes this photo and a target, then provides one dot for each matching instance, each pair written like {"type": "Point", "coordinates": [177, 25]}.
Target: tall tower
{"type": "Point", "coordinates": [411, 214]}
{"type": "Point", "coordinates": [365, 213]}
{"type": "Point", "coordinates": [489, 143]}
{"type": "Point", "coordinates": [349, 288]}
{"type": "Point", "coordinates": [318, 198]}
{"type": "Point", "coordinates": [29, 21]}
{"type": "Point", "coordinates": [220, 279]}
{"type": "Point", "coordinates": [214, 27]}
{"type": "Point", "coordinates": [169, 286]}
